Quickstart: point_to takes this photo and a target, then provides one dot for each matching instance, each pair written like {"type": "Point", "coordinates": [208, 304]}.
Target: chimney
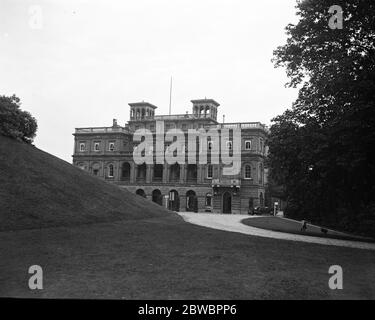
{"type": "Point", "coordinates": [114, 123]}
{"type": "Point", "coordinates": [223, 118]}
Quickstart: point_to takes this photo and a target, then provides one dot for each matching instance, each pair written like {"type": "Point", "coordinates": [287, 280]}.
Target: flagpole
{"type": "Point", "coordinates": [170, 98]}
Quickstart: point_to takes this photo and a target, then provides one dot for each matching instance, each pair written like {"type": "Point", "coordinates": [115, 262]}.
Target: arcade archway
{"type": "Point", "coordinates": [191, 201]}
{"type": "Point", "coordinates": [157, 197]}
{"type": "Point", "coordinates": [174, 201]}
{"type": "Point", "coordinates": [141, 193]}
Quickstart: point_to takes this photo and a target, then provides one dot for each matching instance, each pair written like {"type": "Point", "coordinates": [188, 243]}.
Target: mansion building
{"type": "Point", "coordinates": [107, 152]}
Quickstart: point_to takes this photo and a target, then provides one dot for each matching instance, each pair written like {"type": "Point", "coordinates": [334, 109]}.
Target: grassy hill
{"type": "Point", "coordinates": [39, 190]}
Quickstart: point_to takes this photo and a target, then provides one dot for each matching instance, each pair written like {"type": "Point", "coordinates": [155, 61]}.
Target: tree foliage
{"type": "Point", "coordinates": [321, 150]}
{"type": "Point", "coordinates": [14, 122]}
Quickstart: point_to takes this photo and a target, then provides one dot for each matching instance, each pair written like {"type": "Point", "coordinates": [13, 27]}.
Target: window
{"type": "Point", "coordinates": [96, 146]}
{"type": "Point", "coordinates": [247, 172]}
{"type": "Point", "coordinates": [229, 145]}
{"type": "Point", "coordinates": [158, 171]}
{"type": "Point", "coordinates": [248, 145]}
{"type": "Point", "coordinates": [111, 146]}
{"type": "Point", "coordinates": [82, 146]}
{"type": "Point", "coordinates": [209, 171]}
{"type": "Point", "coordinates": [110, 171]}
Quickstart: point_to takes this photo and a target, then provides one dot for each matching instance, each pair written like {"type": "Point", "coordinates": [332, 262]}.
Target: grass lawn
{"type": "Point", "coordinates": [167, 258]}
{"type": "Point", "coordinates": [293, 226]}
{"type": "Point", "coordinates": [94, 240]}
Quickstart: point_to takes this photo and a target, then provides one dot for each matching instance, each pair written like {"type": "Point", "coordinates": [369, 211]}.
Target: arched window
{"type": "Point", "coordinates": [248, 145]}
{"type": "Point", "coordinates": [247, 171]}
{"type": "Point", "coordinates": [125, 171]}
{"type": "Point", "coordinates": [110, 171]}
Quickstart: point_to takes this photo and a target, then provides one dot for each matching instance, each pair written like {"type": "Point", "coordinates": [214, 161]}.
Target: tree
{"type": "Point", "coordinates": [14, 122]}
{"type": "Point", "coordinates": [322, 149]}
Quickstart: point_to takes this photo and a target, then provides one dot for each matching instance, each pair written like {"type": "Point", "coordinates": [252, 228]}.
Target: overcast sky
{"type": "Point", "coordinates": [79, 63]}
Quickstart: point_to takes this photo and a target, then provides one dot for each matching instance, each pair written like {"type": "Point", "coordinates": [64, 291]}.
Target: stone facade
{"type": "Point", "coordinates": [107, 152]}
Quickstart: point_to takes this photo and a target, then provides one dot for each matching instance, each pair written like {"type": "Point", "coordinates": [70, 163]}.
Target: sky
{"type": "Point", "coordinates": [79, 63]}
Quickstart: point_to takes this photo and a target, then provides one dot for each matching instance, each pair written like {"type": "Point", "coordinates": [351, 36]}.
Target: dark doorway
{"type": "Point", "coordinates": [157, 197]}
{"type": "Point", "coordinates": [191, 201]}
{"type": "Point", "coordinates": [174, 201]}
{"type": "Point", "coordinates": [227, 202]}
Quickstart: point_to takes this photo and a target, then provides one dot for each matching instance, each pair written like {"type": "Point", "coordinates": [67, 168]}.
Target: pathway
{"type": "Point", "coordinates": [232, 223]}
